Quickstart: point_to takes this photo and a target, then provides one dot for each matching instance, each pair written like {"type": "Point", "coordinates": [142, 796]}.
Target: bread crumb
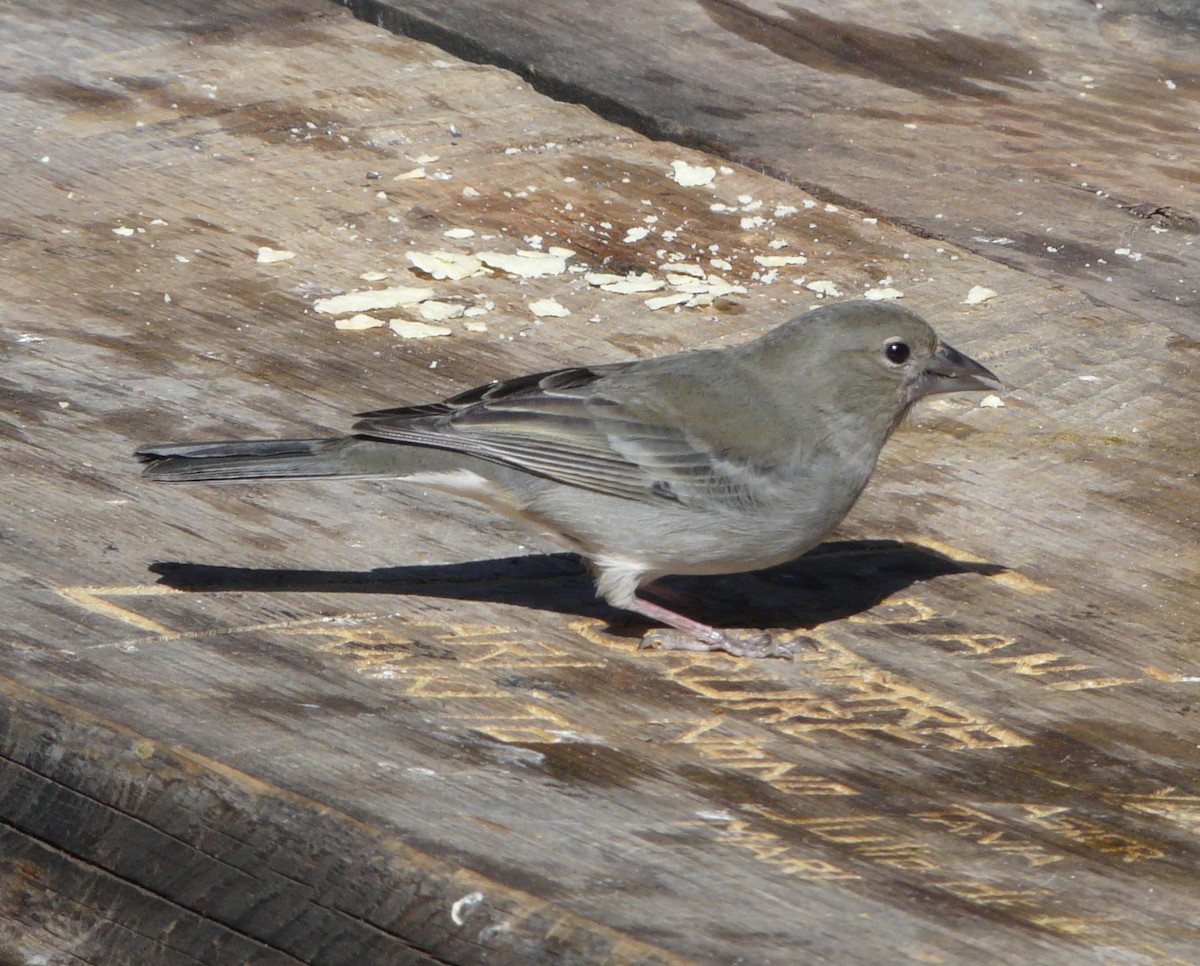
{"type": "Point", "coordinates": [548, 308]}
{"type": "Point", "coordinates": [979, 294]}
{"type": "Point", "coordinates": [439, 311]}
{"type": "Point", "coordinates": [824, 287]}
{"type": "Point", "coordinates": [407, 329]}
{"type": "Point", "coordinates": [691, 175]}
{"type": "Point", "coordinates": [268, 256]}
{"type": "Point", "coordinates": [357, 323]}
{"type": "Point", "coordinates": [885, 294]}
{"type": "Point", "coordinates": [369, 299]}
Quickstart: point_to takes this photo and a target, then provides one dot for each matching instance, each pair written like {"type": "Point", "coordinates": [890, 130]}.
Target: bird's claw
{"type": "Point", "coordinates": [754, 646]}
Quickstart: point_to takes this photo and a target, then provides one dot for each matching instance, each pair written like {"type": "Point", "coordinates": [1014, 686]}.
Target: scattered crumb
{"type": "Point", "coordinates": [433, 311]}
{"type": "Point", "coordinates": [414, 175]}
{"type": "Point", "coordinates": [123, 231]}
{"type": "Point", "coordinates": [460, 233]}
{"type": "Point", "coordinates": [548, 308]}
{"type": "Point", "coordinates": [475, 326]}
{"type": "Point", "coordinates": [446, 265]}
{"type": "Point", "coordinates": [601, 278]}
{"type": "Point", "coordinates": [991, 401]}
{"type": "Point", "coordinates": [691, 175]}
{"type": "Point", "coordinates": [373, 276]}
{"type": "Point", "coordinates": [408, 329]}
{"type": "Point", "coordinates": [356, 323]}
{"type": "Point", "coordinates": [778, 261]}
{"type": "Point", "coordinates": [1089, 378]}
{"type": "Point", "coordinates": [712, 287]}
{"type": "Point", "coordinates": [824, 287]}
{"type": "Point", "coordinates": [978, 294]}
{"type": "Point", "coordinates": [883, 294]}
{"type": "Point", "coordinates": [369, 299]}
{"type": "Point", "coordinates": [528, 264]}
{"type": "Point", "coordinates": [268, 256]}
{"type": "Point", "coordinates": [720, 263]}
{"type": "Point", "coordinates": [631, 284]}
{"type": "Point", "coordinates": [635, 234]}
{"type": "Point", "coordinates": [665, 301]}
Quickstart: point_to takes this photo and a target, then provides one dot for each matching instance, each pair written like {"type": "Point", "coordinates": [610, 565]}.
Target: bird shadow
{"type": "Point", "coordinates": [834, 581]}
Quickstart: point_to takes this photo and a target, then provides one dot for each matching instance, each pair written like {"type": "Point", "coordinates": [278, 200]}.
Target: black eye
{"type": "Point", "coordinates": [896, 352]}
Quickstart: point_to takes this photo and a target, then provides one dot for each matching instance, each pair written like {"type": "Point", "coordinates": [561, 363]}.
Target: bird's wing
{"type": "Point", "coordinates": [565, 425]}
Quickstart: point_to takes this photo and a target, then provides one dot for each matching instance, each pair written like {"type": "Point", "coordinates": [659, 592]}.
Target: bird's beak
{"type": "Point", "coordinates": [950, 371]}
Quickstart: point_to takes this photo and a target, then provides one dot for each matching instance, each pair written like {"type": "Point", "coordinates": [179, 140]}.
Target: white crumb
{"type": "Point", "coordinates": [356, 323]}
{"type": "Point", "coordinates": [369, 299]}
{"type": "Point", "coordinates": [548, 308]}
{"type": "Point", "coordinates": [407, 329]}
{"type": "Point", "coordinates": [268, 256]}
{"type": "Point", "coordinates": [691, 175]}
{"type": "Point", "coordinates": [979, 294]}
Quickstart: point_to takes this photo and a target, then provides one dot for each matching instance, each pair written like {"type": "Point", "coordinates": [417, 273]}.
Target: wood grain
{"type": "Point", "coordinates": [1059, 139]}
{"type": "Point", "coordinates": [346, 723]}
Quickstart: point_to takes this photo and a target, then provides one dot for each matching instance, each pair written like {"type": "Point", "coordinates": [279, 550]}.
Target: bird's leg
{"type": "Point", "coordinates": [691, 635]}
{"type": "Point", "coordinates": [617, 582]}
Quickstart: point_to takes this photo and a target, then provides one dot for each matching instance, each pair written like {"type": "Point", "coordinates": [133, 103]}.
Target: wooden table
{"type": "Point", "coordinates": [345, 723]}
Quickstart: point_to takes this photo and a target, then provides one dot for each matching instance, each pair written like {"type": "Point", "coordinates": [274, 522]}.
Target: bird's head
{"type": "Point", "coordinates": [876, 350]}
{"type": "Point", "coordinates": [865, 362]}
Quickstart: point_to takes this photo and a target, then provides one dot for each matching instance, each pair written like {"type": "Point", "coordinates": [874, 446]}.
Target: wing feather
{"type": "Point", "coordinates": [564, 426]}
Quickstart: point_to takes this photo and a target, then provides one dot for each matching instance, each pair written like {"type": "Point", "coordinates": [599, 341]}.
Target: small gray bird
{"type": "Point", "coordinates": [706, 462]}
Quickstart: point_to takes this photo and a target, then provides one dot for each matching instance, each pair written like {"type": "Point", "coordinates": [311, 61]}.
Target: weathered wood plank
{"type": "Point", "coordinates": [316, 721]}
{"type": "Point", "coordinates": [1050, 137]}
{"type": "Point", "coordinates": [276, 879]}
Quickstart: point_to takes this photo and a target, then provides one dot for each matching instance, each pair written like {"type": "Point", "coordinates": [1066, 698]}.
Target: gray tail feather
{"type": "Point", "coordinates": [251, 459]}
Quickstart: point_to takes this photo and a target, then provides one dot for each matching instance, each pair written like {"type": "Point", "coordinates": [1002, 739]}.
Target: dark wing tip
{"type": "Point", "coordinates": [535, 383]}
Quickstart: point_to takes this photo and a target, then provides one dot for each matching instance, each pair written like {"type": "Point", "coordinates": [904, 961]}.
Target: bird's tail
{"type": "Point", "coordinates": [265, 459]}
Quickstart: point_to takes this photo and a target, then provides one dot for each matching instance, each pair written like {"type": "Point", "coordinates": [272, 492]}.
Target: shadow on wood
{"type": "Point", "coordinates": [832, 582]}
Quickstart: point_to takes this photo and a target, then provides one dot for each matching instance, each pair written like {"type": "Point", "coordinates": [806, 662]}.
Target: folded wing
{"type": "Point", "coordinates": [564, 426]}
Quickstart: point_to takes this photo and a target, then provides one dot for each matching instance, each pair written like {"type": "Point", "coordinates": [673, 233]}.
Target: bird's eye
{"type": "Point", "coordinates": [896, 351]}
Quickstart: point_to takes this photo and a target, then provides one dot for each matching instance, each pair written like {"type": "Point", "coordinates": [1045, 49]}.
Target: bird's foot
{"type": "Point", "coordinates": [685, 634]}
{"type": "Point", "coordinates": [755, 646]}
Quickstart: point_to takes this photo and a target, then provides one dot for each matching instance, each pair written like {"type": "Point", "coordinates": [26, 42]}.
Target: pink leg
{"type": "Point", "coordinates": [656, 612]}
{"type": "Point", "coordinates": [690, 635]}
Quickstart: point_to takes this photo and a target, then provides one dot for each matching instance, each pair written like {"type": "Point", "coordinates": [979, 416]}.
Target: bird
{"type": "Point", "coordinates": [708, 461]}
